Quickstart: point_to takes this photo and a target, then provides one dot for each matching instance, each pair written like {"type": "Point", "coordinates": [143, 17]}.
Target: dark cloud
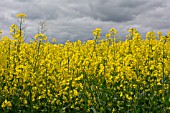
{"type": "Point", "coordinates": [133, 3]}
{"type": "Point", "coordinates": [75, 19]}
{"type": "Point", "coordinates": [121, 11]}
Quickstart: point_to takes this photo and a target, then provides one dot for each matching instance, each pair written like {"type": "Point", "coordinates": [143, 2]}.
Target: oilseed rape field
{"type": "Point", "coordinates": [95, 76]}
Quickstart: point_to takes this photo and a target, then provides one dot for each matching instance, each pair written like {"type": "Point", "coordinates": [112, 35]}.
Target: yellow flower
{"type": "Point", "coordinates": [6, 104]}
{"type": "Point", "coordinates": [89, 102]}
{"type": "Point", "coordinates": [160, 91]}
{"type": "Point", "coordinates": [121, 94]}
{"type": "Point", "coordinates": [0, 32]}
{"type": "Point", "coordinates": [94, 33]}
{"type": "Point", "coordinates": [25, 102]}
{"type": "Point", "coordinates": [35, 107]}
{"type": "Point", "coordinates": [159, 33]}
{"type": "Point", "coordinates": [21, 15]}
{"type": "Point", "coordinates": [128, 97]}
{"type": "Point", "coordinates": [40, 36]}
{"type": "Point", "coordinates": [108, 35]}
{"type": "Point", "coordinates": [36, 36]}
{"type": "Point", "coordinates": [132, 30]}
{"type": "Point", "coordinates": [75, 92]}
{"type": "Point", "coordinates": [98, 30]}
{"type": "Point", "coordinates": [13, 28]}
{"type": "Point", "coordinates": [113, 30]}
{"type": "Point", "coordinates": [3, 104]}
{"type": "Point", "coordinates": [72, 106]}
{"type": "Point", "coordinates": [54, 40]}
{"type": "Point", "coordinates": [113, 110]}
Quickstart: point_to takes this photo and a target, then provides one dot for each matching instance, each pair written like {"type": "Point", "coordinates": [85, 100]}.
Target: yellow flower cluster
{"type": "Point", "coordinates": [113, 30]}
{"type": "Point", "coordinates": [107, 76]}
{"type": "Point", "coordinates": [79, 75]}
{"type": "Point", "coordinates": [6, 104]}
{"type": "Point", "coordinates": [96, 33]}
{"type": "Point", "coordinates": [21, 15]}
{"type": "Point", "coordinates": [54, 40]}
{"type": "Point", "coordinates": [112, 34]}
{"type": "Point", "coordinates": [16, 33]}
{"type": "Point", "coordinates": [40, 36]}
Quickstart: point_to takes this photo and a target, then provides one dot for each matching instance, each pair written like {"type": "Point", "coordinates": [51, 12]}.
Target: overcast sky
{"type": "Point", "coordinates": [75, 19]}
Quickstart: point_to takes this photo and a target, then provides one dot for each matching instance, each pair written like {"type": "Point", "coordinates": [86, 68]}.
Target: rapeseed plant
{"type": "Point", "coordinates": [94, 76]}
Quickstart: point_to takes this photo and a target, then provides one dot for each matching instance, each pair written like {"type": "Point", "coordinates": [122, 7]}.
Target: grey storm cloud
{"type": "Point", "coordinates": [122, 11]}
{"type": "Point", "coordinates": [75, 19]}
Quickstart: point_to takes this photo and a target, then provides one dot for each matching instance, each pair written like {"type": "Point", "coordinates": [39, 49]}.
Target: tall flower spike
{"type": "Point", "coordinates": [113, 30]}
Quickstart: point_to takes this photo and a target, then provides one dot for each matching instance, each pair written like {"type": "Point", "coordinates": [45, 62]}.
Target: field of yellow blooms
{"type": "Point", "coordinates": [106, 76]}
